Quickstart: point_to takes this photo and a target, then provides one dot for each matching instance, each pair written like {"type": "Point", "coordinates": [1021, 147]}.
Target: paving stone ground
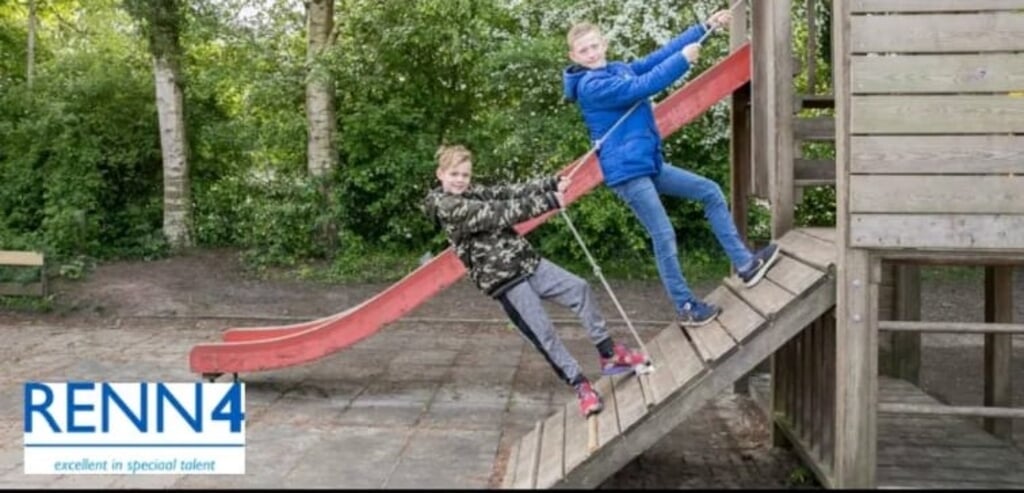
{"type": "Point", "coordinates": [432, 401]}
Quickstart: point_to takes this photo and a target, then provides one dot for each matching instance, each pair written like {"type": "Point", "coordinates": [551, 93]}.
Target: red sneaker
{"type": "Point", "coordinates": [590, 402]}
{"type": "Point", "coordinates": [623, 360]}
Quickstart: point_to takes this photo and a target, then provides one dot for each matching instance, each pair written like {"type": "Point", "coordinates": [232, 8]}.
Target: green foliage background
{"type": "Point", "coordinates": [80, 158]}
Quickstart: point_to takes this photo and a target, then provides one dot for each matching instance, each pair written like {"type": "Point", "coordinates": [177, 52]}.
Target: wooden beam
{"type": "Point", "coordinates": [999, 348]}
{"type": "Point", "coordinates": [938, 114]}
{"type": "Point", "coordinates": [938, 231]}
{"type": "Point", "coordinates": [945, 257]}
{"type": "Point", "coordinates": [937, 194]}
{"type": "Point", "coordinates": [820, 128]}
{"type": "Point", "coordinates": [951, 327]}
{"type": "Point", "coordinates": [28, 259]}
{"type": "Point", "coordinates": [920, 33]}
{"type": "Point", "coordinates": [943, 410]}
{"type": "Point", "coordinates": [963, 73]}
{"type": "Point", "coordinates": [937, 154]}
{"type": "Point", "coordinates": [880, 6]}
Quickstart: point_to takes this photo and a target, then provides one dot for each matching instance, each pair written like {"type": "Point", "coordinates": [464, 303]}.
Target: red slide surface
{"type": "Point", "coordinates": [251, 349]}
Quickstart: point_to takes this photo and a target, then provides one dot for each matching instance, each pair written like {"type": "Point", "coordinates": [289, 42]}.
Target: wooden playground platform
{"type": "Point", "coordinates": [941, 452]}
{"type": "Point", "coordinates": [691, 368]}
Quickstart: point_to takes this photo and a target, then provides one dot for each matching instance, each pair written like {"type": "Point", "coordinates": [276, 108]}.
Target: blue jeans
{"type": "Point", "coordinates": [642, 196]}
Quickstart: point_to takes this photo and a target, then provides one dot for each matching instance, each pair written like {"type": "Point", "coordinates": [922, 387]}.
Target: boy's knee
{"type": "Point", "coordinates": [663, 235]}
{"type": "Point", "coordinates": [665, 245]}
{"type": "Point", "coordinates": [579, 285]}
{"type": "Point", "coordinates": [712, 193]}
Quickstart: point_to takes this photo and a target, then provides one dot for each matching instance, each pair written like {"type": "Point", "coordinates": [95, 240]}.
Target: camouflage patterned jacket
{"type": "Point", "coordinates": [479, 224]}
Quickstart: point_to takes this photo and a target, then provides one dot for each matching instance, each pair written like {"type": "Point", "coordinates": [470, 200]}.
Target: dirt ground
{"type": "Point", "coordinates": [210, 285]}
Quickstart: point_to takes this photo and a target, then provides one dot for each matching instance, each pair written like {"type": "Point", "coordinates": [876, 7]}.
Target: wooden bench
{"type": "Point", "coordinates": [23, 259]}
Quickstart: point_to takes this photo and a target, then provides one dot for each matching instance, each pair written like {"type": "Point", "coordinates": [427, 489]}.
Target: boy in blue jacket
{"type": "Point", "coordinates": [613, 97]}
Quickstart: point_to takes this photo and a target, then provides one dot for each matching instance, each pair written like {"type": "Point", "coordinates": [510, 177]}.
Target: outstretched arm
{"type": "Point", "coordinates": [608, 91]}
{"type": "Point", "coordinates": [691, 35]}
{"type": "Point", "coordinates": [518, 190]}
{"type": "Point", "coordinates": [466, 216]}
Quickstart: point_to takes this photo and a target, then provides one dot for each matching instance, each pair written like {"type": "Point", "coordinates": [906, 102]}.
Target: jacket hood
{"type": "Point", "coordinates": [571, 77]}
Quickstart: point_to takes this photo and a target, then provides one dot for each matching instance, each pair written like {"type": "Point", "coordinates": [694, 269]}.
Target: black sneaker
{"type": "Point", "coordinates": [763, 260]}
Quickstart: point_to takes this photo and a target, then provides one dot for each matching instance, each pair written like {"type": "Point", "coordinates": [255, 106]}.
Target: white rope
{"type": "Point", "coordinates": [579, 239]}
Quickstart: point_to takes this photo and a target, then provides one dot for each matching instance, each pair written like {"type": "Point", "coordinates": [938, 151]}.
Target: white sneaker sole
{"type": "Point", "coordinates": [764, 270]}
{"type": "Point", "coordinates": [644, 368]}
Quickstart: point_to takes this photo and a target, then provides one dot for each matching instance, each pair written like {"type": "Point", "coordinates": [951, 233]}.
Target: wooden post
{"type": "Point", "coordinates": [780, 151]}
{"type": "Point", "coordinates": [905, 347]}
{"type": "Point", "coordinates": [740, 123]}
{"type": "Point", "coordinates": [856, 369]}
{"type": "Point", "coordinates": [998, 348]}
{"type": "Point", "coordinates": [858, 275]}
{"type": "Point", "coordinates": [772, 125]}
{"type": "Point", "coordinates": [812, 47]}
{"type": "Point", "coordinates": [772, 84]}
{"type": "Point", "coordinates": [739, 150]}
{"type": "Point", "coordinates": [761, 83]}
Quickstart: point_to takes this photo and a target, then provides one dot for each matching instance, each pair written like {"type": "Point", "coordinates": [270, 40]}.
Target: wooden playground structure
{"type": "Point", "coordinates": [928, 122]}
{"type": "Point", "coordinates": [926, 113]}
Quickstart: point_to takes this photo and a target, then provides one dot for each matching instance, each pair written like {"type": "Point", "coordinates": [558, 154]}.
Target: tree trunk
{"type": "Point", "coordinates": [320, 90]}
{"type": "Point", "coordinates": [322, 159]}
{"type": "Point", "coordinates": [177, 197]}
{"type": "Point", "coordinates": [30, 66]}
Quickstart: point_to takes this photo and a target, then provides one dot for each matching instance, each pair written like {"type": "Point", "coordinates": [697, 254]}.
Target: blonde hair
{"type": "Point", "coordinates": [579, 30]}
{"type": "Point", "coordinates": [449, 156]}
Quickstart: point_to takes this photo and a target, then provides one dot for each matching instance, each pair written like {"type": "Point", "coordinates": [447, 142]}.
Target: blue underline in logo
{"type": "Point", "coordinates": [140, 445]}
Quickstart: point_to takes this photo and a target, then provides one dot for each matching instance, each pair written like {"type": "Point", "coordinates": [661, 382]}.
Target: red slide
{"type": "Point", "coordinates": [251, 349]}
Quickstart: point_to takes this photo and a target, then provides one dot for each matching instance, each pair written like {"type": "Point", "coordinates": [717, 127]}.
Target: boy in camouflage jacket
{"type": "Point", "coordinates": [479, 224]}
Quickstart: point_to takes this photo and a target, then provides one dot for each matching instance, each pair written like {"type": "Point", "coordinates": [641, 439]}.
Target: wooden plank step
{"type": "Point", "coordinates": [794, 276]}
{"type": "Point", "coordinates": [737, 318]}
{"type": "Point", "coordinates": [552, 451]}
{"type": "Point", "coordinates": [510, 466]}
{"type": "Point", "coordinates": [682, 360]}
{"type": "Point", "coordinates": [823, 234]}
{"type": "Point", "coordinates": [527, 459]}
{"type": "Point", "coordinates": [576, 436]}
{"type": "Point", "coordinates": [767, 297]}
{"type": "Point", "coordinates": [691, 396]}
{"type": "Point", "coordinates": [810, 250]}
{"type": "Point", "coordinates": [608, 419]}
{"type": "Point", "coordinates": [663, 381]}
{"type": "Point", "coordinates": [630, 399]}
{"type": "Point", "coordinates": [712, 340]}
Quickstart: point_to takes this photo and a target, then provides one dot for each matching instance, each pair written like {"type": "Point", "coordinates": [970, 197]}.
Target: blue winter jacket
{"type": "Point", "coordinates": [605, 94]}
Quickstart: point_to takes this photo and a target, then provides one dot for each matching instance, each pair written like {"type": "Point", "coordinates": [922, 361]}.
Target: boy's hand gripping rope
{"type": "Point", "coordinates": [649, 366]}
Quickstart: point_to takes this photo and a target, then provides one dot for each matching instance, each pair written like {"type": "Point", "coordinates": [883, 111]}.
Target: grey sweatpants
{"type": "Point", "coordinates": [523, 304]}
